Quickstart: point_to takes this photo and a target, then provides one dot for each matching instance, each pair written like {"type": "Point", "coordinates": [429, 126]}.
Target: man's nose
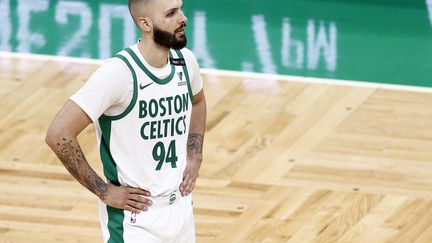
{"type": "Point", "coordinates": [183, 18]}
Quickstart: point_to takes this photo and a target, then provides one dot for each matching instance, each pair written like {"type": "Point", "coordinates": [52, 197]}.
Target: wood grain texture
{"type": "Point", "coordinates": [284, 161]}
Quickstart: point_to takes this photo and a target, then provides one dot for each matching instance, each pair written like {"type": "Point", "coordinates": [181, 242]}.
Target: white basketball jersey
{"type": "Point", "coordinates": [145, 146]}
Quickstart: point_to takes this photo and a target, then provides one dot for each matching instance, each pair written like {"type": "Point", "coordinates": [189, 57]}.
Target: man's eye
{"type": "Point", "coordinates": [171, 13]}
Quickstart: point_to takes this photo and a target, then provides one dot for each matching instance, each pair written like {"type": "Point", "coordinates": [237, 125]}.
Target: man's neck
{"type": "Point", "coordinates": [154, 54]}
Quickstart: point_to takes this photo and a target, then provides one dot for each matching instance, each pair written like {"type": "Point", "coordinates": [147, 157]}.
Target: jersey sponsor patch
{"type": "Point", "coordinates": [178, 61]}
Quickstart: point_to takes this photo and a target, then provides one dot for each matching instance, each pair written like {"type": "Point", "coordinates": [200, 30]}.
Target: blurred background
{"type": "Point", "coordinates": [365, 40]}
{"type": "Point", "coordinates": [315, 162]}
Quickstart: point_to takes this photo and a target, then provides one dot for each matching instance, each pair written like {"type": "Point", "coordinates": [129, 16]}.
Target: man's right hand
{"type": "Point", "coordinates": [127, 198]}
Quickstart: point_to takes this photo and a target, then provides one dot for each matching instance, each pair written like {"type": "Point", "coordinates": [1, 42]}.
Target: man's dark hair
{"type": "Point", "coordinates": [137, 8]}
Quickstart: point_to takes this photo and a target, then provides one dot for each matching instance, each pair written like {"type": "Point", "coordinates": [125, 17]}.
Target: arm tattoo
{"type": "Point", "coordinates": [195, 143]}
{"type": "Point", "coordinates": [72, 157]}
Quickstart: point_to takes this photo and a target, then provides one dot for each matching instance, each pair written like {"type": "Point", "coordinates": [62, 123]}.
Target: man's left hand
{"type": "Point", "coordinates": [190, 175]}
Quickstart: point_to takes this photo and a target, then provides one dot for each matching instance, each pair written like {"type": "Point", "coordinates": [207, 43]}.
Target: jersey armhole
{"type": "Point", "coordinates": [134, 96]}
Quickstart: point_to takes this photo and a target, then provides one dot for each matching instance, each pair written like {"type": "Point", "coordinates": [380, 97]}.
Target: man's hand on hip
{"type": "Point", "coordinates": [127, 198]}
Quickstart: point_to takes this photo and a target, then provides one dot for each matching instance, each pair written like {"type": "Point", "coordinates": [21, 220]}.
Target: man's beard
{"type": "Point", "coordinates": [165, 38]}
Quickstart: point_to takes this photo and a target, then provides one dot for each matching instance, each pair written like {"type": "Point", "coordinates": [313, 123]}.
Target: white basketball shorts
{"type": "Point", "coordinates": [169, 220]}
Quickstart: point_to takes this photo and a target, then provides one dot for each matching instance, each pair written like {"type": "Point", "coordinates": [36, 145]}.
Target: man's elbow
{"type": "Point", "coordinates": [52, 137]}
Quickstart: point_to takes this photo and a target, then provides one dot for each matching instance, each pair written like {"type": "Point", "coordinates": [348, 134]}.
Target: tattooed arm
{"type": "Point", "coordinates": [62, 138]}
{"type": "Point", "coordinates": [194, 144]}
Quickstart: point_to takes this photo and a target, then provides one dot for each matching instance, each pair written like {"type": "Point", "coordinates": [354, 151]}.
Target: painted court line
{"type": "Point", "coordinates": [240, 74]}
{"type": "Point", "coordinates": [314, 80]}
{"type": "Point", "coordinates": [41, 57]}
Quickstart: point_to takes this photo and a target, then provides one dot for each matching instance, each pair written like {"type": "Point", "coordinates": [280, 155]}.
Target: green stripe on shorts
{"type": "Point", "coordinates": [115, 224]}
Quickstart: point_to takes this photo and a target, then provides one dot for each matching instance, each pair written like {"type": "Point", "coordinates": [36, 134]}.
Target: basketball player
{"type": "Point", "coordinates": [149, 111]}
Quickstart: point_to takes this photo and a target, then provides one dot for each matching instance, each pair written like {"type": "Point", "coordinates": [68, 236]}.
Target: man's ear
{"type": "Point", "coordinates": [145, 24]}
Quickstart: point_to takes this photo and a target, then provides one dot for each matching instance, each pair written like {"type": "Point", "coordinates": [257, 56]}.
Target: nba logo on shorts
{"type": "Point", "coordinates": [133, 218]}
{"type": "Point", "coordinates": [172, 198]}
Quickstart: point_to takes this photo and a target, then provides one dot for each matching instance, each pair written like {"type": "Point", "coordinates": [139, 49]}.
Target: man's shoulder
{"type": "Point", "coordinates": [188, 55]}
{"type": "Point", "coordinates": [116, 61]}
{"type": "Point", "coordinates": [113, 66]}
{"type": "Point", "coordinates": [123, 53]}
{"type": "Point", "coordinates": [187, 52]}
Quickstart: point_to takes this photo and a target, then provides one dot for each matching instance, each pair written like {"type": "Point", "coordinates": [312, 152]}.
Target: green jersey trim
{"type": "Point", "coordinates": [134, 96]}
{"type": "Point", "coordinates": [150, 74]}
{"type": "Point", "coordinates": [185, 70]}
{"type": "Point", "coordinates": [109, 165]}
{"type": "Point", "coordinates": [115, 216]}
{"type": "Point", "coordinates": [115, 224]}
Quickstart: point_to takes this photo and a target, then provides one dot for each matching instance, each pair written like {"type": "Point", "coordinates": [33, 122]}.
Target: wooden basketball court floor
{"type": "Point", "coordinates": [284, 161]}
